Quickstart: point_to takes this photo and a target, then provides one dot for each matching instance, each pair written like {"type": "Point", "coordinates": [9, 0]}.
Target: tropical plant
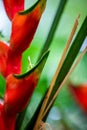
{"type": "Point", "coordinates": [19, 86]}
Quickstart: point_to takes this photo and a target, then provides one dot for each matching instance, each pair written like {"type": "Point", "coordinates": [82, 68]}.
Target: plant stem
{"type": "Point", "coordinates": [53, 28]}
{"type": "Point", "coordinates": [69, 60]}
{"type": "Point", "coordinates": [58, 69]}
{"type": "Point", "coordinates": [61, 85]}
{"type": "Point", "coordinates": [61, 62]}
{"type": "Point", "coordinates": [47, 44]}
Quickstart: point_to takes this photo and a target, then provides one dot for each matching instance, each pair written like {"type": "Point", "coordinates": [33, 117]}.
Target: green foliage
{"type": "Point", "coordinates": [64, 102]}
{"type": "Point", "coordinates": [2, 86]}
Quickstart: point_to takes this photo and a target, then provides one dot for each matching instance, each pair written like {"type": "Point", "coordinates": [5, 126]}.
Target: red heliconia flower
{"type": "Point", "coordinates": [19, 89]}
{"type": "Point", "coordinates": [24, 26]}
{"type": "Point", "coordinates": [79, 92]}
{"type": "Point", "coordinates": [13, 6]}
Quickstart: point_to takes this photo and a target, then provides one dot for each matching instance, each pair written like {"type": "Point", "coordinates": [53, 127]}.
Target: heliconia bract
{"type": "Point", "coordinates": [9, 62]}
{"type": "Point", "coordinates": [19, 87]}
{"type": "Point", "coordinates": [19, 90]}
{"type": "Point", "coordinates": [24, 26]}
{"type": "Point", "coordinates": [79, 92]}
{"type": "Point", "coordinates": [13, 6]}
{"type": "Point", "coordinates": [4, 48]}
{"type": "Point", "coordinates": [6, 122]}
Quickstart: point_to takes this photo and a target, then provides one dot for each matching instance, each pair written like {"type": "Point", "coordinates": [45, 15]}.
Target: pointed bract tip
{"type": "Point", "coordinates": [39, 66]}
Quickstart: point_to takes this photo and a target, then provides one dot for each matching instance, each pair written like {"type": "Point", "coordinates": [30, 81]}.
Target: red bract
{"type": "Point", "coordinates": [14, 64]}
{"type": "Point", "coordinates": [18, 92]}
{"type": "Point", "coordinates": [9, 62]}
{"type": "Point", "coordinates": [80, 94]}
{"type": "Point", "coordinates": [19, 88]}
{"type": "Point", "coordinates": [24, 26]}
{"type": "Point", "coordinates": [13, 6]}
{"type": "Point", "coordinates": [6, 122]}
{"type": "Point", "coordinates": [4, 48]}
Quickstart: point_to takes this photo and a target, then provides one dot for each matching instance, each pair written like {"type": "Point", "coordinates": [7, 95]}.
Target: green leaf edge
{"type": "Point", "coordinates": [31, 122]}
{"type": "Point", "coordinates": [65, 67]}
{"type": "Point", "coordinates": [29, 9]}
{"type": "Point", "coordinates": [55, 23]}
{"type": "Point", "coordinates": [73, 52]}
{"type": "Point", "coordinates": [44, 57]}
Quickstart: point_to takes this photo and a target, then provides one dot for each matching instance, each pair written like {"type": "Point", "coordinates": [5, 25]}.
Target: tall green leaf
{"type": "Point", "coordinates": [71, 56]}
{"type": "Point", "coordinates": [54, 25]}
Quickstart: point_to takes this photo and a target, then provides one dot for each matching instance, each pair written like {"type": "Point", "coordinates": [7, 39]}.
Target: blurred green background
{"type": "Point", "coordinates": [65, 114]}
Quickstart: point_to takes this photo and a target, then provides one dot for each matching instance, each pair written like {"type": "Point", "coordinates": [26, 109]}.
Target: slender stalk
{"type": "Point", "coordinates": [53, 27]}
{"type": "Point", "coordinates": [69, 60]}
{"type": "Point", "coordinates": [48, 43]}
{"type": "Point", "coordinates": [61, 61]}
{"type": "Point", "coordinates": [63, 55]}
{"type": "Point", "coordinates": [57, 71]}
{"type": "Point", "coordinates": [65, 79]}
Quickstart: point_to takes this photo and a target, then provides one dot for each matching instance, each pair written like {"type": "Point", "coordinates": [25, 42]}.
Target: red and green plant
{"type": "Point", "coordinates": [20, 86]}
